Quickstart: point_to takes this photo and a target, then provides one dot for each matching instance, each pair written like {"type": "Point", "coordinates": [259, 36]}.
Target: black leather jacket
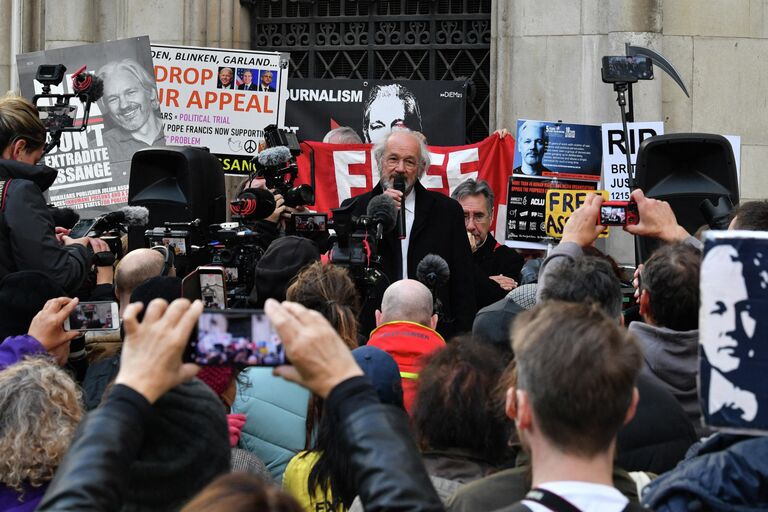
{"type": "Point", "coordinates": [387, 465]}
{"type": "Point", "coordinates": [27, 239]}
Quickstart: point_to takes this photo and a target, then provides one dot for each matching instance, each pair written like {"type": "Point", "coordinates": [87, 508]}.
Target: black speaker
{"type": "Point", "coordinates": [684, 169]}
{"type": "Point", "coordinates": [178, 184]}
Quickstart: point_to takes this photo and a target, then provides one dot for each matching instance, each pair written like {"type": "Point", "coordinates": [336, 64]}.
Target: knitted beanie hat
{"type": "Point", "coordinates": [186, 445]}
{"type": "Point", "coordinates": [279, 264]}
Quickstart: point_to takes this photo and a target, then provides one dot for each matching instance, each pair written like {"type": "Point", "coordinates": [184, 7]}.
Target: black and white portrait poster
{"type": "Point", "coordinates": [435, 108]}
{"type": "Point", "coordinates": [94, 165]}
{"type": "Point", "coordinates": [733, 329]}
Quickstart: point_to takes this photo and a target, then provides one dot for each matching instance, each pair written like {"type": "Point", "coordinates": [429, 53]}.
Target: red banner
{"type": "Point", "coordinates": [347, 170]}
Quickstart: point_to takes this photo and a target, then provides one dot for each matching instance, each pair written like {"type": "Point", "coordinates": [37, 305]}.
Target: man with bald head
{"type": "Point", "coordinates": [136, 267]}
{"type": "Point", "coordinates": [405, 329]}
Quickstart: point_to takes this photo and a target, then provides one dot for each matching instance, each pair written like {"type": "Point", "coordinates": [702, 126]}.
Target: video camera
{"type": "Point", "coordinates": [111, 227]}
{"type": "Point", "coordinates": [356, 244]}
{"type": "Point", "coordinates": [56, 110]}
{"type": "Point", "coordinates": [277, 165]}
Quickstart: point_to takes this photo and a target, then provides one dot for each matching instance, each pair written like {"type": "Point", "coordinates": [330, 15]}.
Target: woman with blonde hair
{"type": "Point", "coordinates": [40, 409]}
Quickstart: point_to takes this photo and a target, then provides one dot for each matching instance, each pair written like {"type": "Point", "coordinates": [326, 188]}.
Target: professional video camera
{"type": "Point", "coordinates": [356, 245]}
{"type": "Point", "coordinates": [111, 227]}
{"type": "Point", "coordinates": [277, 165]}
{"type": "Point", "coordinates": [56, 110]}
{"type": "Point", "coordinates": [237, 249]}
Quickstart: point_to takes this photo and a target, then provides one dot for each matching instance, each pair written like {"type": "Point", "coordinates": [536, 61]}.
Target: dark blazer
{"type": "Point", "coordinates": [250, 87]}
{"type": "Point", "coordinates": [438, 228]}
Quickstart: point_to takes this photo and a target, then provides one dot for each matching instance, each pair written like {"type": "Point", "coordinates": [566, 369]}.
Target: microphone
{"type": "Point", "coordinates": [383, 211]}
{"type": "Point", "coordinates": [273, 157]}
{"type": "Point", "coordinates": [64, 217]}
{"type": "Point", "coordinates": [253, 204]}
{"type": "Point", "coordinates": [433, 271]}
{"type": "Point", "coordinates": [131, 216]}
{"type": "Point", "coordinates": [399, 184]}
{"type": "Point", "coordinates": [86, 84]}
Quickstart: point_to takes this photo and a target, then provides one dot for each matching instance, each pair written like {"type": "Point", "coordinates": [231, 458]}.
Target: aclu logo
{"type": "Point", "coordinates": [451, 94]}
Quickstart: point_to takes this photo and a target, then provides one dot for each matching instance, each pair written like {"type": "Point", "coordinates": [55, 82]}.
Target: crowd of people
{"type": "Point", "coordinates": [531, 387]}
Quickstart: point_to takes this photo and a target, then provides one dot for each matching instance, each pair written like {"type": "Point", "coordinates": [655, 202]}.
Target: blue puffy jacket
{"type": "Point", "coordinates": [724, 472]}
{"type": "Point", "coordinates": [276, 412]}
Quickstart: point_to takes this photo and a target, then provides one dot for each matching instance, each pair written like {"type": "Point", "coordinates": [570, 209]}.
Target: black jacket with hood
{"type": "Point", "coordinates": [27, 238]}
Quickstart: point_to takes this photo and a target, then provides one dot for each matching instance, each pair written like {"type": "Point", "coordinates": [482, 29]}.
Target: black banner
{"type": "Point", "coordinates": [372, 107]}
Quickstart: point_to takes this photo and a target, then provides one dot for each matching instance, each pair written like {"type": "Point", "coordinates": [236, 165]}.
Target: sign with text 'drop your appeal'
{"type": "Point", "coordinates": [221, 99]}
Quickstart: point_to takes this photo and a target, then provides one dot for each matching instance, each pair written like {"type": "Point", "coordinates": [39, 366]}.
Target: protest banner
{"type": "Point", "coordinates": [733, 324]}
{"type": "Point", "coordinates": [346, 170]}
{"type": "Point", "coordinates": [220, 99]}
{"type": "Point", "coordinates": [435, 108]}
{"type": "Point", "coordinates": [559, 206]}
{"type": "Point", "coordinates": [526, 206]}
{"type": "Point", "coordinates": [557, 150]}
{"type": "Point", "coordinates": [94, 164]}
{"type": "Point", "coordinates": [615, 178]}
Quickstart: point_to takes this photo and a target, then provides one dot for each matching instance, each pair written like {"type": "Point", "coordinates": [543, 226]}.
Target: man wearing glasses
{"type": "Point", "coordinates": [434, 225]}
{"type": "Point", "coordinates": [497, 267]}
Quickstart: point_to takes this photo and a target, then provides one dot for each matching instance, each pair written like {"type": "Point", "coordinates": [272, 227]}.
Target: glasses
{"type": "Point", "coordinates": [478, 218]}
{"type": "Point", "coordinates": [409, 164]}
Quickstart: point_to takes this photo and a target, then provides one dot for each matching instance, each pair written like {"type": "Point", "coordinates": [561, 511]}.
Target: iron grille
{"type": "Point", "coordinates": [384, 39]}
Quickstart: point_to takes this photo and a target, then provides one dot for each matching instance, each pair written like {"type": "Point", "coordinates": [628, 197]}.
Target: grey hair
{"type": "Point", "coordinates": [381, 146]}
{"type": "Point", "coordinates": [538, 124]}
{"type": "Point", "coordinates": [40, 408]}
{"type": "Point", "coordinates": [138, 71]}
{"type": "Point", "coordinates": [344, 134]}
{"type": "Point", "coordinates": [470, 187]}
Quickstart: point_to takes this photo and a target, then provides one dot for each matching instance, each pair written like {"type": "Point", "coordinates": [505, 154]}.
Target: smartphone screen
{"type": "Point", "coordinates": [212, 290]}
{"type": "Point", "coordinates": [613, 215]}
{"type": "Point", "coordinates": [235, 337]}
{"type": "Point", "coordinates": [93, 316]}
{"type": "Point", "coordinates": [81, 229]}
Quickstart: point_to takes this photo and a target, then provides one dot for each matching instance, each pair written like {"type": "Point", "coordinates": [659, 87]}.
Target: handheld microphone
{"type": "Point", "coordinates": [383, 211]}
{"type": "Point", "coordinates": [399, 184]}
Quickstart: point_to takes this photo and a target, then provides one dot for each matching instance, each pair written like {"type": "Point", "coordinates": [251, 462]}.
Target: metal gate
{"type": "Point", "coordinates": [384, 39]}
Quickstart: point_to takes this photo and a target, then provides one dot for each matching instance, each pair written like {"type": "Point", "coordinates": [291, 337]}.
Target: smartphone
{"type": "Point", "coordinates": [626, 69]}
{"type": "Point", "coordinates": [93, 316]}
{"type": "Point", "coordinates": [618, 213]}
{"type": "Point", "coordinates": [82, 228]}
{"type": "Point", "coordinates": [308, 223]}
{"type": "Point", "coordinates": [213, 287]}
{"type": "Point", "coordinates": [235, 337]}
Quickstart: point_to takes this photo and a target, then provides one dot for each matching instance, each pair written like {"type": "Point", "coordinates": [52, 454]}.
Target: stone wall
{"type": "Point", "coordinates": [547, 55]}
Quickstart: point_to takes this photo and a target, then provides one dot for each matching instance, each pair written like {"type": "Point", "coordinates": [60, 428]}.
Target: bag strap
{"type": "Point", "coordinates": [3, 191]}
{"type": "Point", "coordinates": [551, 500]}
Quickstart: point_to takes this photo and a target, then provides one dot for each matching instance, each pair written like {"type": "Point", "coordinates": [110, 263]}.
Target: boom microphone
{"type": "Point", "coordinates": [399, 184]}
{"type": "Point", "coordinates": [274, 157]}
{"type": "Point", "coordinates": [433, 271]}
{"type": "Point", "coordinates": [384, 213]}
{"type": "Point", "coordinates": [64, 217]}
{"type": "Point", "coordinates": [129, 215]}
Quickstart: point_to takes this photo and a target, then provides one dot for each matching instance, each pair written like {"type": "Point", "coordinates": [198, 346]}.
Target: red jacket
{"type": "Point", "coordinates": [407, 343]}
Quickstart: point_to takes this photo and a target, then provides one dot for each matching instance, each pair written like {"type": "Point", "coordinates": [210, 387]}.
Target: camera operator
{"type": "Point", "coordinates": [27, 237]}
